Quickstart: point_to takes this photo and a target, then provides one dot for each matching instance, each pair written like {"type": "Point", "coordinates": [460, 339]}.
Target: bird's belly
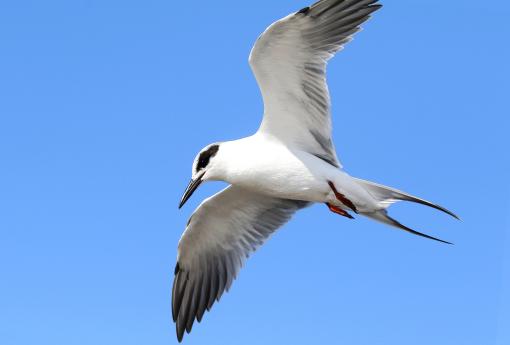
{"type": "Point", "coordinates": [297, 176]}
{"type": "Point", "coordinates": [291, 186]}
{"type": "Point", "coordinates": [287, 178]}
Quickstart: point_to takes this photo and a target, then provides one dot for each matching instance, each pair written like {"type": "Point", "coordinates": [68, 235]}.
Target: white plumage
{"type": "Point", "coordinates": [287, 165]}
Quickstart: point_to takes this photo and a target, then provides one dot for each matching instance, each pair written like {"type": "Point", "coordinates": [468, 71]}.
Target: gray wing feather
{"type": "Point", "coordinates": [289, 62]}
{"type": "Point", "coordinates": [220, 236]}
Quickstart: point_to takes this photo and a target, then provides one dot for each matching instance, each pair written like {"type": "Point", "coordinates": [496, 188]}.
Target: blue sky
{"type": "Point", "coordinates": [104, 105]}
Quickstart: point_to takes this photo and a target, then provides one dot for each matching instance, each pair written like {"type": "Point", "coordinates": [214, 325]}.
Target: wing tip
{"type": "Point", "coordinates": [304, 11]}
{"type": "Point", "coordinates": [373, 6]}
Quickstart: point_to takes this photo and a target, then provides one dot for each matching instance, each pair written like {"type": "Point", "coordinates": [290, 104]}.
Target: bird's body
{"type": "Point", "coordinates": [288, 164]}
{"type": "Point", "coordinates": [262, 164]}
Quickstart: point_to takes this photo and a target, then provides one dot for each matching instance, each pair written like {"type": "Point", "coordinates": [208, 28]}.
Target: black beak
{"type": "Point", "coordinates": [192, 187]}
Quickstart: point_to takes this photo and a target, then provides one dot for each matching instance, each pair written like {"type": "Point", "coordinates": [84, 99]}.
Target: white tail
{"type": "Point", "coordinates": [386, 196]}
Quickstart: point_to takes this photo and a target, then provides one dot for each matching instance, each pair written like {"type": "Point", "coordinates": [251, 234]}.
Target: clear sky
{"type": "Point", "coordinates": [104, 104]}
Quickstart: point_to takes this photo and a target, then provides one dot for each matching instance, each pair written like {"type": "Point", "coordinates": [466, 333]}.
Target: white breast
{"type": "Point", "coordinates": [266, 166]}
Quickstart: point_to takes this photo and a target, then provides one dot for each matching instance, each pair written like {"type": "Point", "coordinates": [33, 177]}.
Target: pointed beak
{"type": "Point", "coordinates": [192, 187]}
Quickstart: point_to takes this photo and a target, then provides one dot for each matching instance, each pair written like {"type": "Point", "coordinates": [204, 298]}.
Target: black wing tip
{"type": "Point", "coordinates": [184, 316]}
{"type": "Point", "coordinates": [373, 8]}
{"type": "Point", "coordinates": [179, 331]}
{"type": "Point", "coordinates": [177, 296]}
{"type": "Point", "coordinates": [179, 337]}
{"type": "Point", "coordinates": [304, 11]}
{"type": "Point", "coordinates": [374, 5]}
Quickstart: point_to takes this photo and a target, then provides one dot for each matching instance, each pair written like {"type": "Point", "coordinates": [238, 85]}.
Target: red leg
{"type": "Point", "coordinates": [339, 211]}
{"type": "Point", "coordinates": [342, 198]}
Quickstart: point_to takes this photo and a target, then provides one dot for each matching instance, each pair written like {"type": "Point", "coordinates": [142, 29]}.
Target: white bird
{"type": "Point", "coordinates": [288, 164]}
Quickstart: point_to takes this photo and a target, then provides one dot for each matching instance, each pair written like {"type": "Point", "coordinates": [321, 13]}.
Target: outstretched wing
{"type": "Point", "coordinates": [289, 62]}
{"type": "Point", "coordinates": [219, 237]}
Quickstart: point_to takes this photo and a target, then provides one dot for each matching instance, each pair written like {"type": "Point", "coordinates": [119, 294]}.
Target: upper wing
{"type": "Point", "coordinates": [289, 62]}
{"type": "Point", "coordinates": [220, 235]}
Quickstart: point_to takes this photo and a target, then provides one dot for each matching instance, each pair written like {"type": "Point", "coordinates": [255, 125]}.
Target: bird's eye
{"type": "Point", "coordinates": [202, 163]}
{"type": "Point", "coordinates": [206, 156]}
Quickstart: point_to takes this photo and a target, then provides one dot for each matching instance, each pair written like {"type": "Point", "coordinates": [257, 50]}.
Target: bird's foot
{"type": "Point", "coordinates": [342, 198]}
{"type": "Point", "coordinates": [339, 211]}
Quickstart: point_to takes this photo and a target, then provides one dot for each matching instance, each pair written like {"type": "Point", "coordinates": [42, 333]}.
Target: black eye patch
{"type": "Point", "coordinates": [206, 156]}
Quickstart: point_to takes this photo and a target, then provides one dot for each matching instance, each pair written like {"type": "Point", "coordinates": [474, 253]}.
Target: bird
{"type": "Point", "coordinates": [289, 164]}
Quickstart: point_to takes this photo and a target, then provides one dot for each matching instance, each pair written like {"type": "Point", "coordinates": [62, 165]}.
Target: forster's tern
{"type": "Point", "coordinates": [287, 165]}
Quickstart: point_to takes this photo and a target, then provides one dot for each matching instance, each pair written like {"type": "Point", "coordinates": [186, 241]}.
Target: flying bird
{"type": "Point", "coordinates": [287, 165]}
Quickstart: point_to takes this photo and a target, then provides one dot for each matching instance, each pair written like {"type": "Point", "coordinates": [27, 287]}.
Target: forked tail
{"type": "Point", "coordinates": [388, 196]}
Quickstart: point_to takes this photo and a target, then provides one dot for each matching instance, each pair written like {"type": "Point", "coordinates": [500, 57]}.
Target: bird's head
{"type": "Point", "coordinates": [204, 168]}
